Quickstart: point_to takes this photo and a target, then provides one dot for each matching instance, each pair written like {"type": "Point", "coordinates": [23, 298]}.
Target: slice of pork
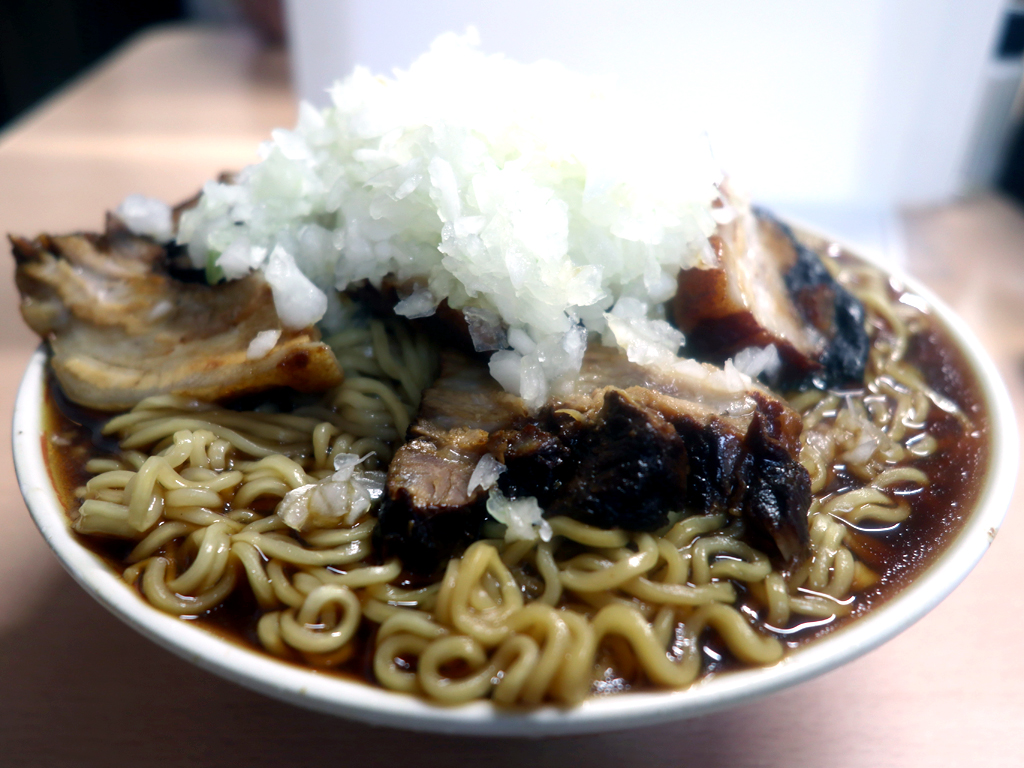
{"type": "Point", "coordinates": [766, 288]}
{"type": "Point", "coordinates": [428, 511]}
{"type": "Point", "coordinates": [655, 439]}
{"type": "Point", "coordinates": [121, 328]}
{"type": "Point", "coordinates": [625, 447]}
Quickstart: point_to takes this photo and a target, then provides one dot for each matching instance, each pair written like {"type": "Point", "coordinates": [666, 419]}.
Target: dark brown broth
{"type": "Point", "coordinates": [956, 470]}
{"type": "Point", "coordinates": [73, 436]}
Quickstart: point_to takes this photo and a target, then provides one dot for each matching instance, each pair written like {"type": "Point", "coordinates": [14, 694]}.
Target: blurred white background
{"type": "Point", "coordinates": [834, 112]}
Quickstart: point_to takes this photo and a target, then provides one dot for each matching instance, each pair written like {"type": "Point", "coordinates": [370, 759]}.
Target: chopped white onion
{"type": "Point", "coordinates": [262, 343]}
{"type": "Point", "coordinates": [240, 258]}
{"type": "Point", "coordinates": [146, 216]}
{"type": "Point", "coordinates": [485, 474]}
{"type": "Point", "coordinates": [863, 451]}
{"type": "Point", "coordinates": [342, 498]}
{"type": "Point", "coordinates": [522, 191]}
{"type": "Point", "coordinates": [420, 303]}
{"type": "Point", "coordinates": [523, 517]}
{"type": "Point", "coordinates": [753, 361]}
{"type": "Point", "coordinates": [298, 302]}
{"type": "Point", "coordinates": [485, 329]}
{"type": "Point", "coordinates": [646, 341]}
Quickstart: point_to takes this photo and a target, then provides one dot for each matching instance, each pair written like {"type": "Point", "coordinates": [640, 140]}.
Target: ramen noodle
{"type": "Point", "coordinates": [189, 506]}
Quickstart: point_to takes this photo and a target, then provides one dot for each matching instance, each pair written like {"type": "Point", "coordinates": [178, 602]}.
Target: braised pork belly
{"type": "Point", "coordinates": [624, 448]}
{"type": "Point", "coordinates": [765, 288]}
{"type": "Point", "coordinates": [121, 328]}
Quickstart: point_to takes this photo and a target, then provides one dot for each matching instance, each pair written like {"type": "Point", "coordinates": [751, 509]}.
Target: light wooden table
{"type": "Point", "coordinates": [77, 687]}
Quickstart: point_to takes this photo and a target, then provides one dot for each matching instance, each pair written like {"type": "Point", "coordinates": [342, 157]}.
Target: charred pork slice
{"type": "Point", "coordinates": [651, 441]}
{"type": "Point", "coordinates": [121, 328]}
{"type": "Point", "coordinates": [764, 288]}
{"type": "Point", "coordinates": [428, 511]}
{"type": "Point", "coordinates": [629, 445]}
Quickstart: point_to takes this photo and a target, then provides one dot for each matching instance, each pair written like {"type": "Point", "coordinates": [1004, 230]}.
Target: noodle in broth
{"type": "Point", "coordinates": [195, 487]}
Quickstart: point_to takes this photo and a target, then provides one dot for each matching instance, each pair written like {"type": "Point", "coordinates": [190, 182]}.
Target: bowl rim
{"type": "Point", "coordinates": [363, 702]}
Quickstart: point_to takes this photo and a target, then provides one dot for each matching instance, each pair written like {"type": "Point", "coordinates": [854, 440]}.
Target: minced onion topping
{"type": "Point", "coordinates": [521, 192]}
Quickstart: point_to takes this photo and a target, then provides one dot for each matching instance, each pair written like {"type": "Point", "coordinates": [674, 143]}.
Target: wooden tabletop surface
{"type": "Point", "coordinates": [77, 687]}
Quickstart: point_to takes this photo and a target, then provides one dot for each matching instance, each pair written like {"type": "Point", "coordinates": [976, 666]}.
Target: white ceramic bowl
{"type": "Point", "coordinates": [373, 705]}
